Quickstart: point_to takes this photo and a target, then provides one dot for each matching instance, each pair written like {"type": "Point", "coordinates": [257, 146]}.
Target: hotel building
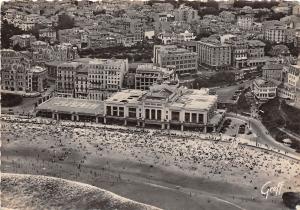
{"type": "Point", "coordinates": [213, 54]}
{"type": "Point", "coordinates": [170, 55]}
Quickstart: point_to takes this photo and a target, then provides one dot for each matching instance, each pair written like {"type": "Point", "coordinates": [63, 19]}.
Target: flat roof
{"type": "Point", "coordinates": [72, 105]}
{"type": "Point", "coordinates": [264, 83]}
{"type": "Point", "coordinates": [195, 99]}
{"type": "Point", "coordinates": [126, 96]}
{"type": "Point", "coordinates": [37, 69]}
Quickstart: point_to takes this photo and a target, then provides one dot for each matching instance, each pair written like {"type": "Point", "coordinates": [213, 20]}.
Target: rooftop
{"type": "Point", "coordinates": [70, 64]}
{"type": "Point", "coordinates": [37, 69]}
{"type": "Point", "coordinates": [264, 83]}
{"type": "Point", "coordinates": [195, 100]}
{"type": "Point", "coordinates": [273, 66]}
{"type": "Point", "coordinates": [72, 105]}
{"type": "Point", "coordinates": [255, 43]}
{"type": "Point", "coordinates": [126, 96]}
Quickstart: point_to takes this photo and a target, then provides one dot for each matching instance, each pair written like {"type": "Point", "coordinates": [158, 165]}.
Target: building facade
{"type": "Point", "coordinates": [275, 31]}
{"type": "Point", "coordinates": [23, 40]}
{"type": "Point", "coordinates": [272, 71]}
{"type": "Point", "coordinates": [105, 77]}
{"type": "Point", "coordinates": [148, 74]}
{"type": "Point", "coordinates": [264, 90]}
{"type": "Point", "coordinates": [65, 81]}
{"type": "Point", "coordinates": [213, 54]}
{"type": "Point", "coordinates": [37, 79]}
{"type": "Point", "coordinates": [245, 22]}
{"type": "Point", "coordinates": [171, 55]}
{"type": "Point", "coordinates": [14, 70]}
{"type": "Point", "coordinates": [239, 52]}
{"type": "Point", "coordinates": [165, 106]}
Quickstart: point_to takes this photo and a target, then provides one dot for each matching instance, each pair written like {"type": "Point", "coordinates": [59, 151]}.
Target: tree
{"type": "Point", "coordinates": [294, 50]}
{"type": "Point", "coordinates": [276, 16]}
{"type": "Point", "coordinates": [99, 12]}
{"type": "Point", "coordinates": [255, 4]}
{"type": "Point", "coordinates": [7, 31]}
{"type": "Point", "coordinates": [35, 30]}
{"type": "Point", "coordinates": [268, 46]}
{"type": "Point", "coordinates": [208, 11]}
{"type": "Point", "coordinates": [17, 47]}
{"type": "Point", "coordinates": [65, 22]}
{"type": "Point", "coordinates": [202, 34]}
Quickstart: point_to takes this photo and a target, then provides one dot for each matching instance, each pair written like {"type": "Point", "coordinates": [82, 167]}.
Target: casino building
{"type": "Point", "coordinates": [164, 106]}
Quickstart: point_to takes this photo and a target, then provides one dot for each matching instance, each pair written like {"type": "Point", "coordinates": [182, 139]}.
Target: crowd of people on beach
{"type": "Point", "coordinates": [206, 155]}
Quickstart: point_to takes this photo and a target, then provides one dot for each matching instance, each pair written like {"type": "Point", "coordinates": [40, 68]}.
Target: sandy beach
{"type": "Point", "coordinates": [170, 170]}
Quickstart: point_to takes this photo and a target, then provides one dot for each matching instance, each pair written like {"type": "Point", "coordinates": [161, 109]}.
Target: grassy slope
{"type": "Point", "coordinates": [273, 119]}
{"type": "Point", "coordinates": [41, 192]}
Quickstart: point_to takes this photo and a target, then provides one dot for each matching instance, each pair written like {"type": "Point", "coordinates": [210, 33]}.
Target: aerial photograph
{"type": "Point", "coordinates": [150, 105]}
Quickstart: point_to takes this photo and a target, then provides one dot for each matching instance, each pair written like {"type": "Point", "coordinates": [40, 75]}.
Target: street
{"type": "Point", "coordinates": [262, 133]}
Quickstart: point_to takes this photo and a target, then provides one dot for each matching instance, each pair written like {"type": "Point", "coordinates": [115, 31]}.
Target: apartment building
{"type": "Point", "coordinates": [105, 76]}
{"type": "Point", "coordinates": [172, 38]}
{"type": "Point", "coordinates": [239, 52]}
{"type": "Point", "coordinates": [52, 69]}
{"type": "Point", "coordinates": [81, 83]}
{"type": "Point", "coordinates": [264, 89]}
{"type": "Point", "coordinates": [65, 81]}
{"type": "Point", "coordinates": [37, 79]}
{"type": "Point", "coordinates": [273, 71]}
{"type": "Point", "coordinates": [256, 53]}
{"type": "Point", "coordinates": [213, 54]}
{"type": "Point", "coordinates": [72, 36]}
{"type": "Point", "coordinates": [186, 14]}
{"type": "Point", "coordinates": [294, 76]}
{"type": "Point", "coordinates": [148, 74]}
{"type": "Point", "coordinates": [24, 40]}
{"type": "Point", "coordinates": [245, 22]}
{"type": "Point", "coordinates": [184, 60]}
{"type": "Point", "coordinates": [14, 69]}
{"type": "Point", "coordinates": [129, 26]}
{"type": "Point", "coordinates": [274, 31]}
{"type": "Point", "coordinates": [291, 88]}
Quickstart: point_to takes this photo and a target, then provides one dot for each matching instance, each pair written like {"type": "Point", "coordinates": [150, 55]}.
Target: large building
{"type": "Point", "coordinates": [256, 53]}
{"type": "Point", "coordinates": [93, 79]}
{"type": "Point", "coordinates": [296, 10]}
{"type": "Point", "coordinates": [105, 77]}
{"type": "Point", "coordinates": [172, 38]}
{"type": "Point", "coordinates": [24, 40]}
{"type": "Point", "coordinates": [264, 90]}
{"type": "Point", "coordinates": [245, 22]}
{"type": "Point", "coordinates": [81, 86]}
{"type": "Point", "coordinates": [37, 79]}
{"type": "Point", "coordinates": [65, 81]}
{"type": "Point", "coordinates": [291, 88]}
{"type": "Point", "coordinates": [273, 71]}
{"type": "Point", "coordinates": [186, 14]}
{"type": "Point", "coordinates": [165, 106]}
{"type": "Point", "coordinates": [148, 74]}
{"type": "Point", "coordinates": [275, 31]}
{"type": "Point", "coordinates": [14, 70]}
{"type": "Point", "coordinates": [171, 55]}
{"type": "Point", "coordinates": [213, 54]}
{"type": "Point", "coordinates": [129, 26]}
{"type": "Point", "coordinates": [239, 52]}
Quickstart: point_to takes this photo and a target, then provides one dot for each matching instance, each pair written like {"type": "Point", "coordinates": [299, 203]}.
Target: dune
{"type": "Point", "coordinates": [20, 191]}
